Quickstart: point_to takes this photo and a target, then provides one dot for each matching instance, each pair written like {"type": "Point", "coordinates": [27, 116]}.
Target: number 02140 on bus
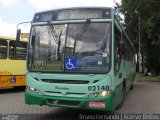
{"type": "Point", "coordinates": [79, 58]}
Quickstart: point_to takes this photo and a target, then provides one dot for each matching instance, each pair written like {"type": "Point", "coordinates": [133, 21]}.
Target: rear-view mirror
{"type": "Point", "coordinates": [18, 35]}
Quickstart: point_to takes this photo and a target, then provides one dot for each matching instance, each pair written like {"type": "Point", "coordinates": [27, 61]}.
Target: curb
{"type": "Point", "coordinates": [147, 80]}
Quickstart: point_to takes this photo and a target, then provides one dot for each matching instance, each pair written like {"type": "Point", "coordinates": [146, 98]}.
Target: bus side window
{"type": "Point", "coordinates": [17, 50]}
{"type": "Point", "coordinates": [3, 49]}
{"type": "Point", "coordinates": [125, 51]}
{"type": "Point", "coordinates": [117, 55]}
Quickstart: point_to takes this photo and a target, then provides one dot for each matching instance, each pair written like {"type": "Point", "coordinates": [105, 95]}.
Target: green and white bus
{"type": "Point", "coordinates": [79, 58]}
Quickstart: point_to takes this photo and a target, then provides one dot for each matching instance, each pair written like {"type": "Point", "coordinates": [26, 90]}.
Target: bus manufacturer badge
{"type": "Point", "coordinates": [13, 80]}
{"type": "Point", "coordinates": [70, 63]}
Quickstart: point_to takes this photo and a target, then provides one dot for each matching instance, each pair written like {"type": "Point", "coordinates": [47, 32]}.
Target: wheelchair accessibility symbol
{"type": "Point", "coordinates": [70, 63]}
{"type": "Point", "coordinates": [13, 80]}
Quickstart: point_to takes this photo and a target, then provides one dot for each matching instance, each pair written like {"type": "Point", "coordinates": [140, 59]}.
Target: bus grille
{"type": "Point", "coordinates": [65, 81]}
{"type": "Point", "coordinates": [63, 102]}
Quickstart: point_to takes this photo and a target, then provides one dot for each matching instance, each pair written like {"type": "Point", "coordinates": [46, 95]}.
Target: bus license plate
{"type": "Point", "coordinates": [97, 104]}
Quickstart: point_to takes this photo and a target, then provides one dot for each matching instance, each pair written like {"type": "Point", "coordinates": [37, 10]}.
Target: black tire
{"type": "Point", "coordinates": [132, 87]}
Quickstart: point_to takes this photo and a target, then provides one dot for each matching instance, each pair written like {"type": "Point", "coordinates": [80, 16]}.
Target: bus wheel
{"type": "Point", "coordinates": [123, 96]}
{"type": "Point", "coordinates": [132, 86]}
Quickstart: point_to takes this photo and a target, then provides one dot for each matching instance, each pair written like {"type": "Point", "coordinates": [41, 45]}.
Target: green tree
{"type": "Point", "coordinates": [129, 9]}
{"type": "Point", "coordinates": [149, 13]}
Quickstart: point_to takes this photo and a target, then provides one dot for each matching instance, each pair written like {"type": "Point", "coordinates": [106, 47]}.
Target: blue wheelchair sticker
{"type": "Point", "coordinates": [13, 80]}
{"type": "Point", "coordinates": [70, 63]}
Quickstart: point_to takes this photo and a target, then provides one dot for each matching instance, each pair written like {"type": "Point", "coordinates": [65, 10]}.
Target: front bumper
{"type": "Point", "coordinates": [70, 102]}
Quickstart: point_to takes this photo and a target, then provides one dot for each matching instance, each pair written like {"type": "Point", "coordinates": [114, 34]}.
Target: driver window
{"type": "Point", "coordinates": [117, 39]}
{"type": "Point", "coordinates": [3, 49]}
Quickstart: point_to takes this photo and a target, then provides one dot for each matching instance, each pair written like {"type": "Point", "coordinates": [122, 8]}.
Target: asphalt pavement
{"type": "Point", "coordinates": [143, 100]}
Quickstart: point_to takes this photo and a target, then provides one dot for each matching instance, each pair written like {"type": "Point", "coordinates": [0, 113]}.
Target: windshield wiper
{"type": "Point", "coordinates": [59, 44]}
{"type": "Point", "coordinates": [56, 38]}
{"type": "Point", "coordinates": [81, 34]}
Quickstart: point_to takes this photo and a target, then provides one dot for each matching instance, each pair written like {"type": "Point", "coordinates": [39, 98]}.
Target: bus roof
{"type": "Point", "coordinates": [7, 38]}
{"type": "Point", "coordinates": [12, 38]}
{"type": "Point", "coordinates": [72, 8]}
{"type": "Point", "coordinates": [76, 13]}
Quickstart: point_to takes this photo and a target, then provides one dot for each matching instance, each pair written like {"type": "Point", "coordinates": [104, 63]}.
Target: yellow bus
{"type": "Point", "coordinates": [12, 62]}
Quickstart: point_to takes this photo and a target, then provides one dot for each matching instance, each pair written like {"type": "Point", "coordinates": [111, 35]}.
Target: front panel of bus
{"type": "Point", "coordinates": [69, 59]}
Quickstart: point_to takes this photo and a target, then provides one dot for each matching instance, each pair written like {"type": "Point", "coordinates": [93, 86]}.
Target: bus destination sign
{"type": "Point", "coordinates": [72, 14]}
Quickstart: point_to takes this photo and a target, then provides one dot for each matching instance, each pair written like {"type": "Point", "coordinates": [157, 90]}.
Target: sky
{"type": "Point", "coordinates": [13, 12]}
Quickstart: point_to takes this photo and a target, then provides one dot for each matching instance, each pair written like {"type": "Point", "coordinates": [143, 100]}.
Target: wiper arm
{"type": "Point", "coordinates": [59, 44]}
{"type": "Point", "coordinates": [81, 34]}
{"type": "Point", "coordinates": [56, 38]}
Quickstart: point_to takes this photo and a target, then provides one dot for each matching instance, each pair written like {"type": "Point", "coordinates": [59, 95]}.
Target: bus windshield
{"type": "Point", "coordinates": [76, 47]}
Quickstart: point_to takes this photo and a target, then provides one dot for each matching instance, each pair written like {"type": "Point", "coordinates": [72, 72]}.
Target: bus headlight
{"type": "Point", "coordinates": [104, 93]}
{"type": "Point", "coordinates": [33, 89]}
{"type": "Point", "coordinates": [100, 94]}
{"type": "Point", "coordinates": [95, 94]}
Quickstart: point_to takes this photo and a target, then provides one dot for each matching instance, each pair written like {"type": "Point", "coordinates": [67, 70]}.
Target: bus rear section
{"type": "Point", "coordinates": [70, 61]}
{"type": "Point", "coordinates": [12, 62]}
